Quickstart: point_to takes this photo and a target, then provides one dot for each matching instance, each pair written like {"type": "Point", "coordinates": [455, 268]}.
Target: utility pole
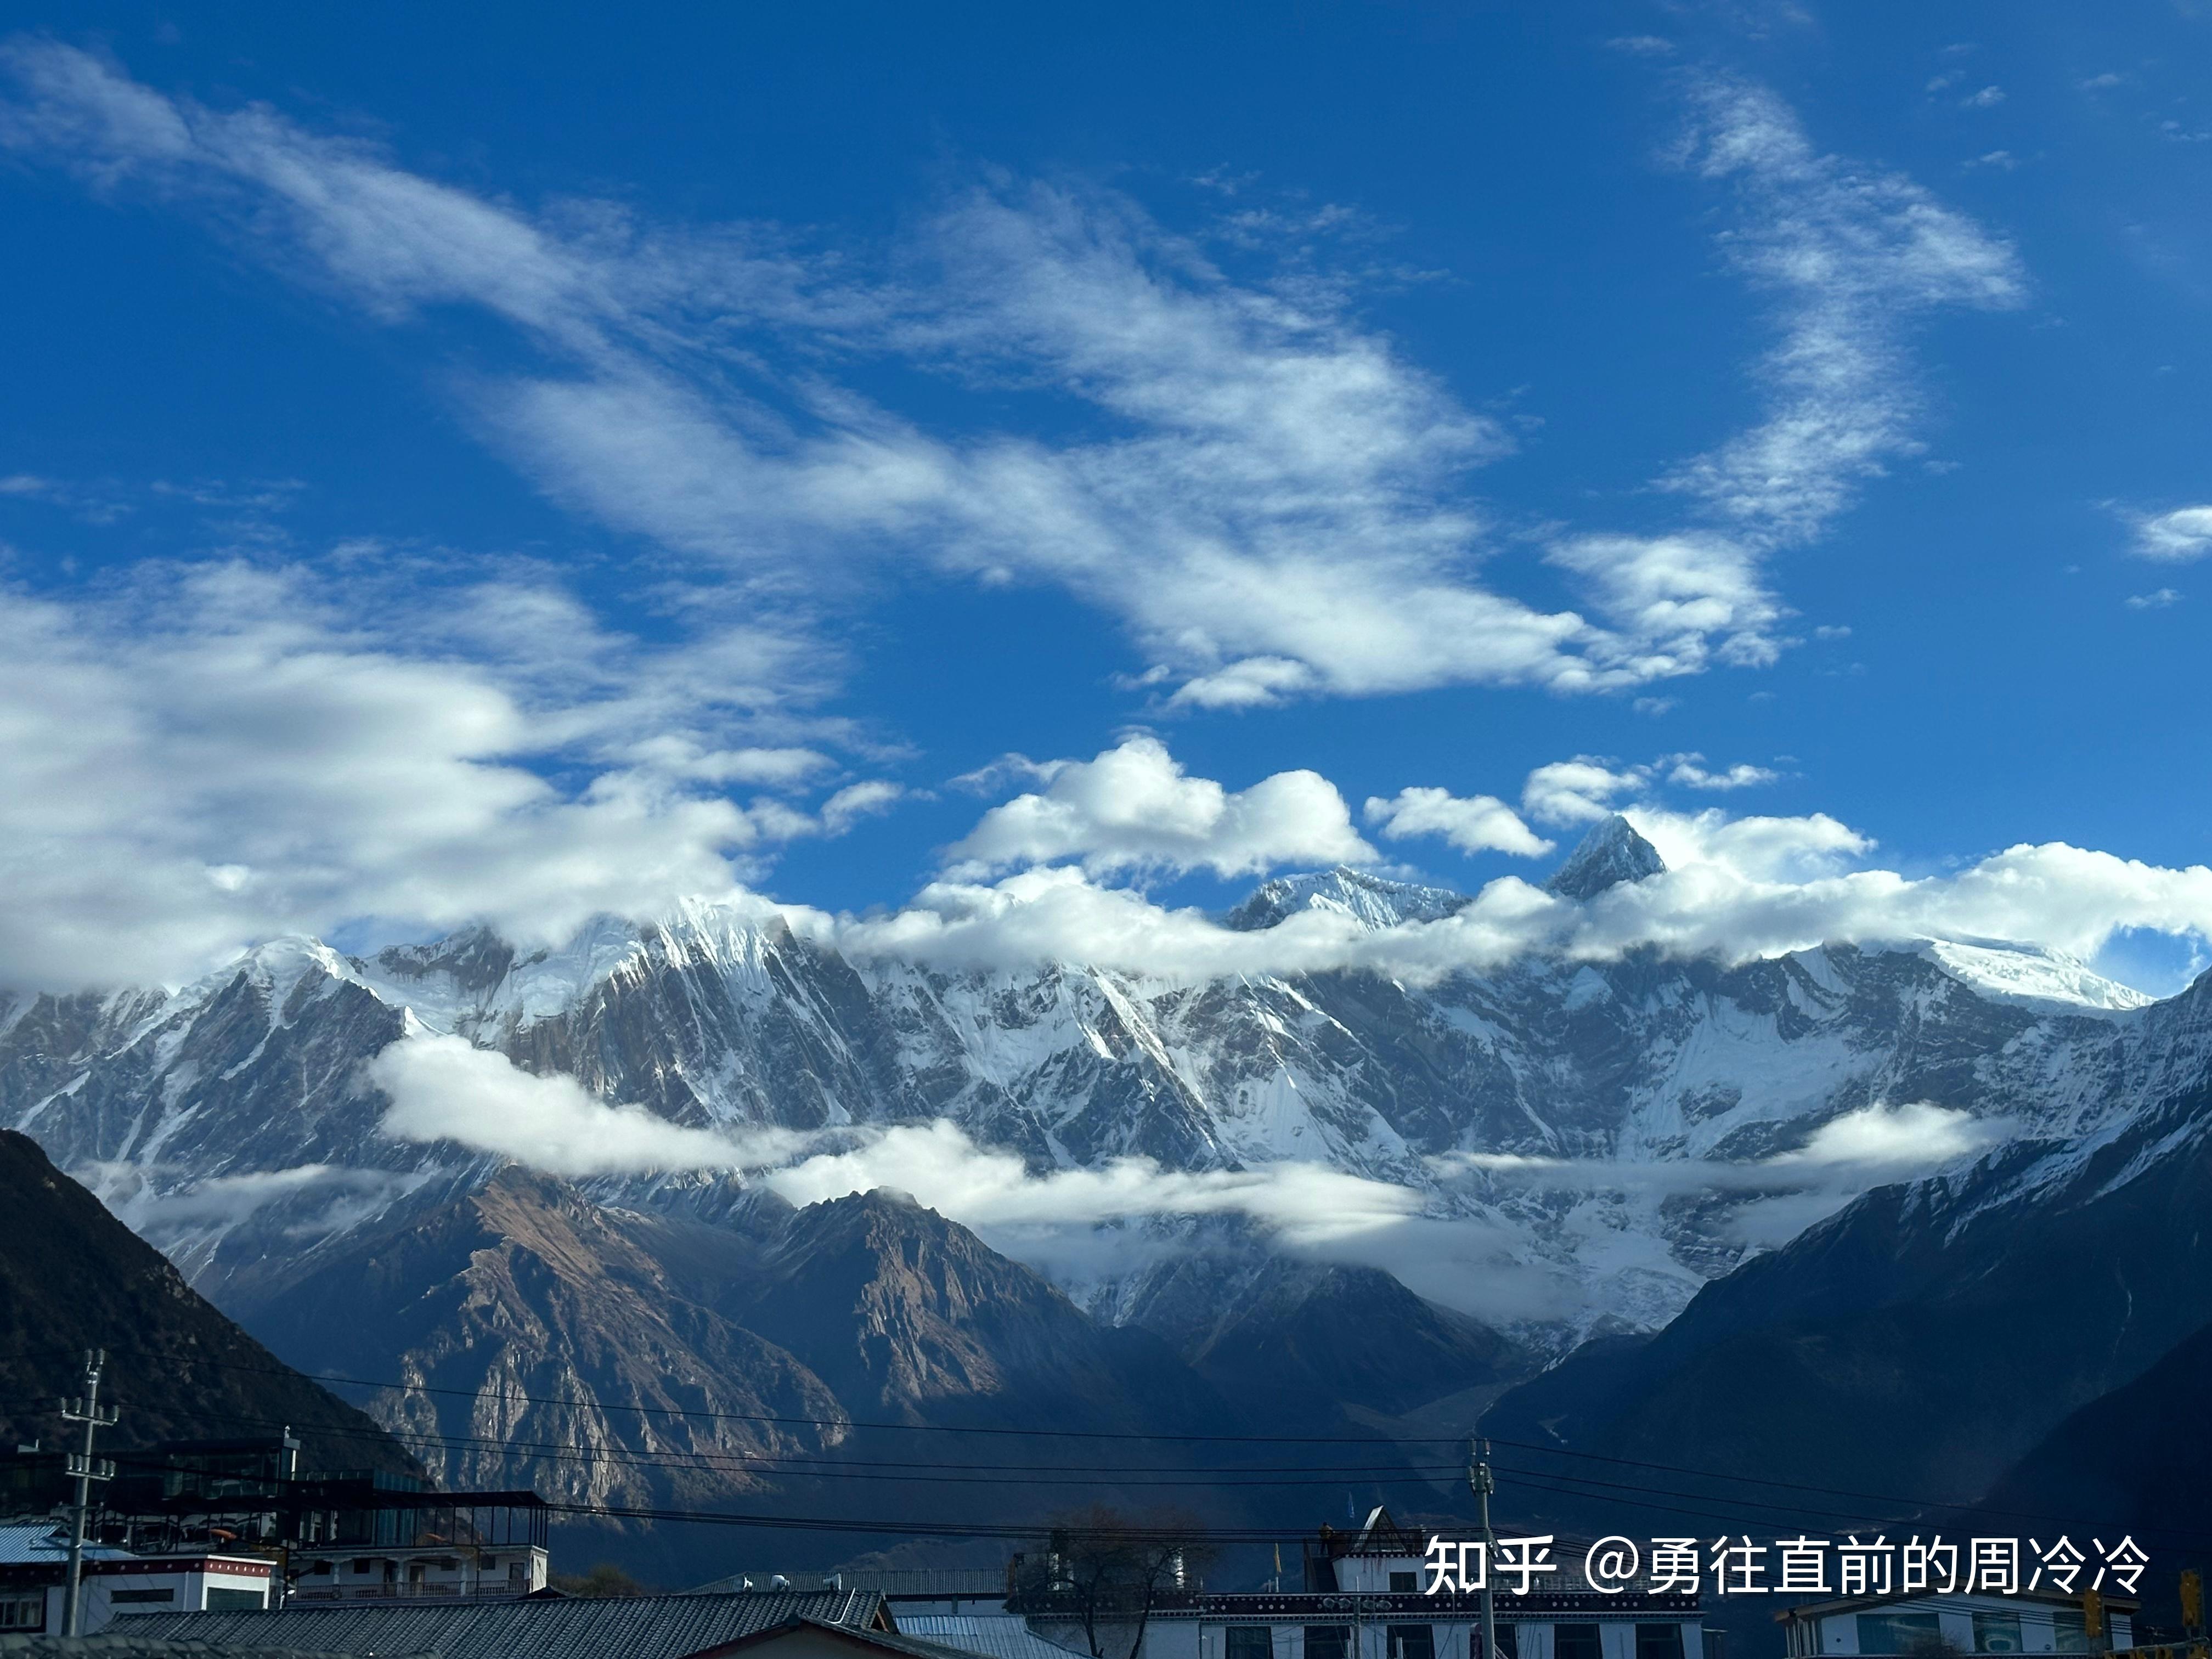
{"type": "Point", "coordinates": [1482, 1483]}
{"type": "Point", "coordinates": [87, 1410]}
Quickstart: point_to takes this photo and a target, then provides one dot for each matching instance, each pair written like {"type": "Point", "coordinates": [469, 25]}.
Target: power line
{"type": "Point", "coordinates": [798, 1467]}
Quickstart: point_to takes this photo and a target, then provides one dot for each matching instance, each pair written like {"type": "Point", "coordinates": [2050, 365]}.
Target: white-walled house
{"type": "Point", "coordinates": [2029, 1623]}
{"type": "Point", "coordinates": [389, 1572]}
{"type": "Point", "coordinates": [117, 1583]}
{"type": "Point", "coordinates": [1362, 1598]}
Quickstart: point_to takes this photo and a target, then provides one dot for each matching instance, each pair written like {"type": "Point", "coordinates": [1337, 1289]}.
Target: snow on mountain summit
{"type": "Point", "coordinates": [1610, 854]}
{"type": "Point", "coordinates": [2030, 974]}
{"type": "Point", "coordinates": [1374, 901]}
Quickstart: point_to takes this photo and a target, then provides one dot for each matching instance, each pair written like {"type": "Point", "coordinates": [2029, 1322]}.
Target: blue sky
{"type": "Point", "coordinates": [471, 463]}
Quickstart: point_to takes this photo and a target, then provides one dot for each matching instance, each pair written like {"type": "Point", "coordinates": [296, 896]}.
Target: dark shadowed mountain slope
{"type": "Point", "coordinates": [72, 1277]}
{"type": "Point", "coordinates": [1288, 1329]}
{"type": "Point", "coordinates": [1926, 1337]}
{"type": "Point", "coordinates": [2135, 1462]}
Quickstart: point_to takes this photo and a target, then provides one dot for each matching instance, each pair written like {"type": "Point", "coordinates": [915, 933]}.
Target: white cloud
{"type": "Point", "coordinates": [446, 1089]}
{"type": "Point", "coordinates": [1588, 787]}
{"type": "Point", "coordinates": [1736, 889]}
{"type": "Point", "coordinates": [213, 755]}
{"type": "Point", "coordinates": [1474, 823]}
{"type": "Point", "coordinates": [1849, 1152]}
{"type": "Point", "coordinates": [867, 798]}
{"type": "Point", "coordinates": [677, 757]}
{"type": "Point", "coordinates": [1914, 1135]}
{"type": "Point", "coordinates": [1987, 98]}
{"type": "Point", "coordinates": [1134, 808]}
{"type": "Point", "coordinates": [938, 1164]}
{"type": "Point", "coordinates": [1689, 771]}
{"type": "Point", "coordinates": [1678, 603]}
{"type": "Point", "coordinates": [2157, 599]}
{"type": "Point", "coordinates": [2183, 534]}
{"type": "Point", "coordinates": [1579, 791]}
{"type": "Point", "coordinates": [1851, 254]}
{"type": "Point", "coordinates": [322, 1196]}
{"type": "Point", "coordinates": [1265, 492]}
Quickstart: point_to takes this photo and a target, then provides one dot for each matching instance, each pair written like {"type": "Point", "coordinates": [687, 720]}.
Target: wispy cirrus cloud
{"type": "Point", "coordinates": [1850, 256]}
{"type": "Point", "coordinates": [1265, 491]}
{"type": "Point", "coordinates": [2175, 537]}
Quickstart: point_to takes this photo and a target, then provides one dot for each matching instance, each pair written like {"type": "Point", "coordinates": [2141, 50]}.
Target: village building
{"type": "Point", "coordinates": [1362, 1598]}
{"type": "Point", "coordinates": [690, 1626]}
{"type": "Point", "coordinates": [1931, 1625]}
{"type": "Point", "coordinates": [118, 1583]}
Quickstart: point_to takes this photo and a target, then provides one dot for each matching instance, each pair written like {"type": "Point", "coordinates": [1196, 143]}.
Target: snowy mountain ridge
{"type": "Point", "coordinates": [720, 1015]}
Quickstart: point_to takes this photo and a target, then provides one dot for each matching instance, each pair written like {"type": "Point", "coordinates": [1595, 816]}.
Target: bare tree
{"type": "Point", "coordinates": [1106, 1570]}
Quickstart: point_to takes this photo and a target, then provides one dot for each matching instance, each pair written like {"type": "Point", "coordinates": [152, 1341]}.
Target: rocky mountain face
{"type": "Point", "coordinates": [233, 1122]}
{"type": "Point", "coordinates": [244, 1095]}
{"type": "Point", "coordinates": [861, 1357]}
{"type": "Point", "coordinates": [1933, 1332]}
{"type": "Point", "coordinates": [72, 1277]}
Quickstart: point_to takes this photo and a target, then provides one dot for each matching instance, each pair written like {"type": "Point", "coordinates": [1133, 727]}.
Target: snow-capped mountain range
{"type": "Point", "coordinates": [1563, 1115]}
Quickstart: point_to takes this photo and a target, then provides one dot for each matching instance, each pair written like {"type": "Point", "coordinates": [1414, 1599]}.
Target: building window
{"type": "Point", "coordinates": [1899, 1632]}
{"type": "Point", "coordinates": [119, 1597]}
{"type": "Point", "coordinates": [219, 1599]}
{"type": "Point", "coordinates": [1575, 1642]}
{"type": "Point", "coordinates": [1411, 1642]}
{"type": "Point", "coordinates": [2070, 1632]}
{"type": "Point", "coordinates": [1997, 1632]}
{"type": "Point", "coordinates": [1249, 1642]}
{"type": "Point", "coordinates": [1658, 1641]}
{"type": "Point", "coordinates": [1508, 1638]}
{"type": "Point", "coordinates": [23, 1611]}
{"type": "Point", "coordinates": [1402, 1584]}
{"type": "Point", "coordinates": [1328, 1641]}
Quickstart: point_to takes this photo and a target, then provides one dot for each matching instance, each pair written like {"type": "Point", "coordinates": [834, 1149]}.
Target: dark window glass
{"type": "Point", "coordinates": [229, 1600]}
{"type": "Point", "coordinates": [1997, 1632]}
{"type": "Point", "coordinates": [1328, 1641]}
{"type": "Point", "coordinates": [118, 1597]}
{"type": "Point", "coordinates": [1658, 1641]}
{"type": "Point", "coordinates": [1251, 1641]}
{"type": "Point", "coordinates": [1402, 1582]}
{"type": "Point", "coordinates": [1412, 1642]}
{"type": "Point", "coordinates": [1897, 1632]}
{"type": "Point", "coordinates": [23, 1611]}
{"type": "Point", "coordinates": [1575, 1642]}
{"type": "Point", "coordinates": [2070, 1632]}
{"type": "Point", "coordinates": [1509, 1640]}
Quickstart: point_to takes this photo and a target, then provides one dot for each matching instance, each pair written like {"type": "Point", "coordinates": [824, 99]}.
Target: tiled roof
{"type": "Point", "coordinates": [46, 1541]}
{"type": "Point", "coordinates": [556, 1627]}
{"type": "Point", "coordinates": [898, 1641]}
{"type": "Point", "coordinates": [934, 1581]}
{"type": "Point", "coordinates": [126, 1645]}
{"type": "Point", "coordinates": [993, 1635]}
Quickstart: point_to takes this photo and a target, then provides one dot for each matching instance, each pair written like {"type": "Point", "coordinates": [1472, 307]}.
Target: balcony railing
{"type": "Point", "coordinates": [493, 1589]}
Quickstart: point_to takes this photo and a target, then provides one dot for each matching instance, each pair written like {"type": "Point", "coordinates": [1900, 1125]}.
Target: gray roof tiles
{"type": "Point", "coordinates": [579, 1627]}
